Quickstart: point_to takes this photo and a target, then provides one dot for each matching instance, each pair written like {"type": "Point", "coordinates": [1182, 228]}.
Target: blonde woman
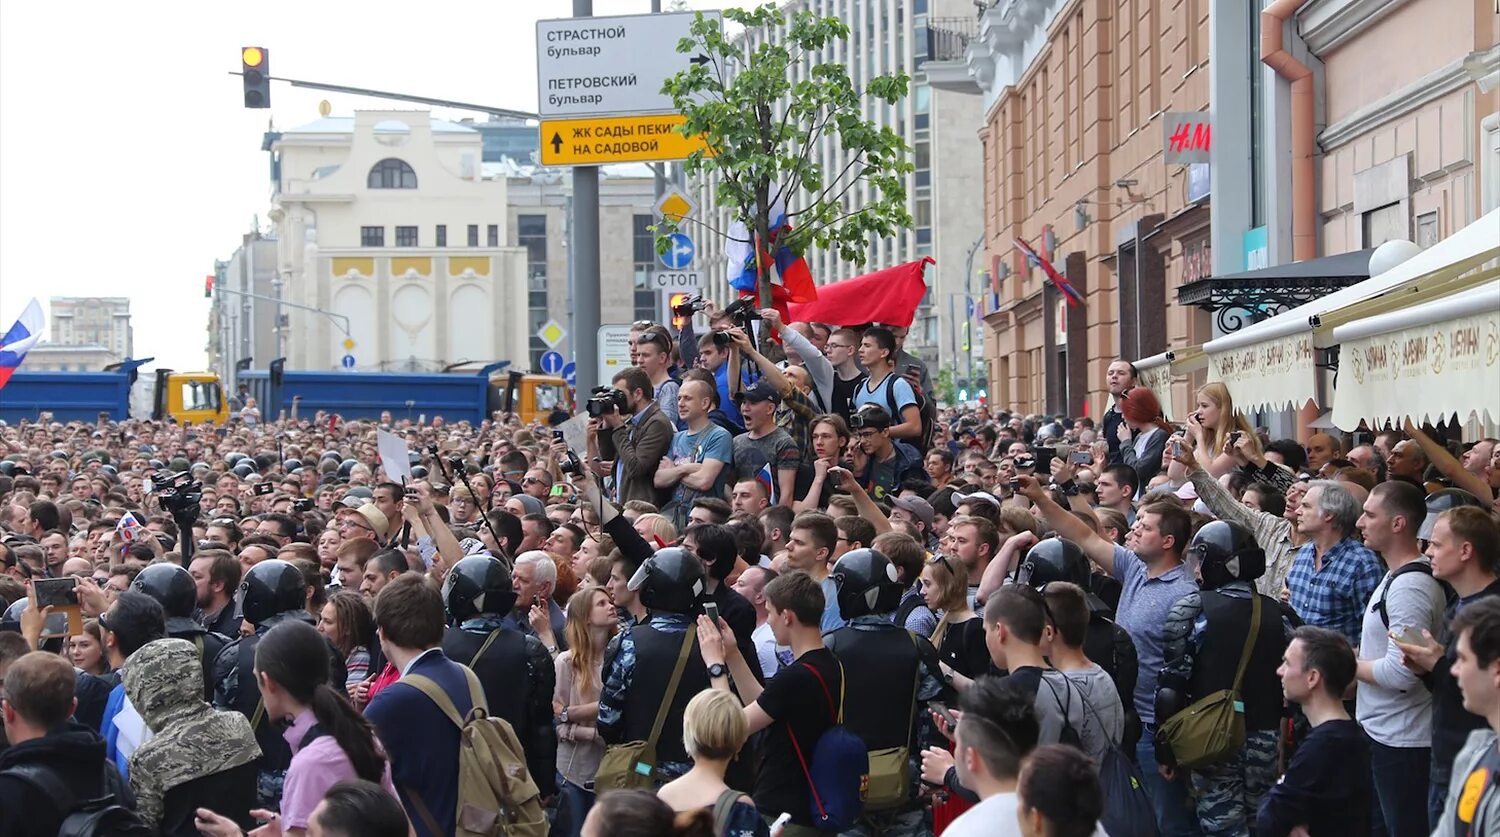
{"type": "Point", "coordinates": [959, 635]}
{"type": "Point", "coordinates": [713, 731]}
{"type": "Point", "coordinates": [590, 622]}
{"type": "Point", "coordinates": [1212, 421]}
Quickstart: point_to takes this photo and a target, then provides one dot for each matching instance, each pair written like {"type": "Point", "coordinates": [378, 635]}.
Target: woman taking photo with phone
{"type": "Point", "coordinates": [591, 621]}
{"type": "Point", "coordinates": [1212, 423]}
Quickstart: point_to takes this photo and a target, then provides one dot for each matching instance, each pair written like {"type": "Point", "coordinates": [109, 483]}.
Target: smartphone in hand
{"type": "Point", "coordinates": [711, 610]}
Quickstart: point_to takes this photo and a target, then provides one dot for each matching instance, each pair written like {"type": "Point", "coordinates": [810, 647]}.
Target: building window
{"type": "Point", "coordinates": [442, 235]}
{"type": "Point", "coordinates": [473, 235]}
{"type": "Point", "coordinates": [492, 235]}
{"type": "Point", "coordinates": [531, 233]}
{"type": "Point", "coordinates": [391, 173]}
{"type": "Point", "coordinates": [1427, 229]}
{"type": "Point", "coordinates": [406, 236]}
{"type": "Point", "coordinates": [372, 236]}
{"type": "Point", "coordinates": [1387, 223]}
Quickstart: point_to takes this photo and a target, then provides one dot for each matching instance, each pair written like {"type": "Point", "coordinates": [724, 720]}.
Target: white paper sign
{"type": "Point", "coordinates": [395, 457]}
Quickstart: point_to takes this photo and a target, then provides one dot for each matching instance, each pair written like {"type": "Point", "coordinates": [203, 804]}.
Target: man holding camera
{"type": "Point", "coordinates": [637, 437]}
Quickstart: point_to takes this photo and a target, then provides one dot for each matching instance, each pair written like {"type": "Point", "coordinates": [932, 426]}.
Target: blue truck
{"type": "Point", "coordinates": [405, 395]}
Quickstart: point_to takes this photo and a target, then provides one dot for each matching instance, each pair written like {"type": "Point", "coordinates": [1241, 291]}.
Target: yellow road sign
{"type": "Point", "coordinates": [615, 139]}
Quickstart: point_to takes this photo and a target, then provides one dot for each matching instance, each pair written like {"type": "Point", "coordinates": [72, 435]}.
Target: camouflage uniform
{"type": "Point", "coordinates": [1228, 794]}
{"type": "Point", "coordinates": [164, 682]}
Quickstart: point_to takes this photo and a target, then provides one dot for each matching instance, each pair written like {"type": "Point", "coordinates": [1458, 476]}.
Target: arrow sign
{"type": "Point", "coordinates": [679, 255]}
{"type": "Point", "coordinates": [700, 59]}
{"type": "Point", "coordinates": [556, 143]}
{"type": "Point", "coordinates": [551, 362]}
{"type": "Point", "coordinates": [570, 373]}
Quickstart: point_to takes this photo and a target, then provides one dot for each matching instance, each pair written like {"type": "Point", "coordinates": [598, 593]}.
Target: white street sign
{"type": "Point", "coordinates": [602, 66]}
{"type": "Point", "coordinates": [677, 280]}
{"type": "Point", "coordinates": [614, 351]}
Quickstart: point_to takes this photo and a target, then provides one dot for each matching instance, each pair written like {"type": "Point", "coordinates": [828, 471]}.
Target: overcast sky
{"type": "Point", "coordinates": [128, 163]}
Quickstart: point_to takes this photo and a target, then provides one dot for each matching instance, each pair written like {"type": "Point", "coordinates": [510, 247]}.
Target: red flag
{"type": "Point", "coordinates": [1058, 280]}
{"type": "Point", "coordinates": [887, 296]}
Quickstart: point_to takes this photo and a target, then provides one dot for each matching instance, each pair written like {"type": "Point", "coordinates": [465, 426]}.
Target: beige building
{"type": "Point", "coordinates": [390, 237]}
{"type": "Point", "coordinates": [1390, 131]}
{"type": "Point", "coordinates": [51, 357]}
{"type": "Point", "coordinates": [1072, 92]}
{"type": "Point", "coordinates": [101, 322]}
{"type": "Point", "coordinates": [891, 36]}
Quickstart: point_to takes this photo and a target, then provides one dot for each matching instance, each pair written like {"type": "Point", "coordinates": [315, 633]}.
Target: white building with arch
{"type": "Point", "coordinates": [384, 218]}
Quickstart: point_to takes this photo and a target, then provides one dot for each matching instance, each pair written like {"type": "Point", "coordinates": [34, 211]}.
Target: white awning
{"type": "Point", "coordinates": [1157, 372]}
{"type": "Point", "coordinates": [1427, 362]}
{"type": "Point", "coordinates": [1271, 364]}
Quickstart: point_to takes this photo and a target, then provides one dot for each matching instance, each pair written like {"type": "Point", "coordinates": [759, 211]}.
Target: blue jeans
{"type": "Point", "coordinates": [573, 804]}
{"type": "Point", "coordinates": [1175, 813]}
{"type": "Point", "coordinates": [1400, 777]}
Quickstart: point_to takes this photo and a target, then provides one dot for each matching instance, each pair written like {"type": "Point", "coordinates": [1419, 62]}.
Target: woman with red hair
{"type": "Point", "coordinates": [1143, 434]}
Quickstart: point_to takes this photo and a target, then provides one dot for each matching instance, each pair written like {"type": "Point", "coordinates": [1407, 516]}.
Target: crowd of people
{"type": "Point", "coordinates": [779, 590]}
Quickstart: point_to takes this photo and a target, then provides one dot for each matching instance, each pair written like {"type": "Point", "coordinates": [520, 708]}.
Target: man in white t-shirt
{"type": "Point", "coordinates": [752, 585]}
{"type": "Point", "coordinates": [997, 730]}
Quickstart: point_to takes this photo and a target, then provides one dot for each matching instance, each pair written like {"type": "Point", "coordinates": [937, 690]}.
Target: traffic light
{"type": "Point", "coordinates": [256, 69]}
{"type": "Point", "coordinates": [673, 302]}
{"type": "Point", "coordinates": [208, 286]}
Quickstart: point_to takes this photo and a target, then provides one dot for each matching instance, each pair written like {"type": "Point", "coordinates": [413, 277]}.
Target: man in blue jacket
{"type": "Point", "coordinates": [419, 739]}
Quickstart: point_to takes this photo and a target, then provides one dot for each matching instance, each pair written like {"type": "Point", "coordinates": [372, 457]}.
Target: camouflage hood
{"type": "Point", "coordinates": [164, 681]}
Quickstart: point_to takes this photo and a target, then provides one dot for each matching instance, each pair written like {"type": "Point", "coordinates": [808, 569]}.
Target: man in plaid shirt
{"type": "Point", "coordinates": [1334, 574]}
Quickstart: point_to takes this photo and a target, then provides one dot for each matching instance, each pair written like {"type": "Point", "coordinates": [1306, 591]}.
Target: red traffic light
{"type": "Point", "coordinates": [208, 286]}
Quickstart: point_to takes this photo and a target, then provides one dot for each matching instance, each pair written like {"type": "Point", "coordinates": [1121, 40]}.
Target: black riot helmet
{"type": "Point", "coordinates": [347, 467]}
{"type": "Point", "coordinates": [1054, 559]}
{"type": "Point", "coordinates": [173, 587]}
{"type": "Point", "coordinates": [1440, 501]}
{"type": "Point", "coordinates": [1226, 551]}
{"type": "Point", "coordinates": [670, 581]}
{"type": "Point", "coordinates": [867, 583]}
{"type": "Point", "coordinates": [477, 584]}
{"type": "Point", "coordinates": [270, 588]}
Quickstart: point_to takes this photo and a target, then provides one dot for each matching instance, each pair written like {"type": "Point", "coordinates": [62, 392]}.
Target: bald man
{"type": "Point", "coordinates": [1322, 448]}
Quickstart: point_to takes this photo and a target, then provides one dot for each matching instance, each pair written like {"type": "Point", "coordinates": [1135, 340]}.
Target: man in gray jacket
{"type": "Point", "coordinates": [635, 438]}
{"type": "Point", "coordinates": [1473, 805]}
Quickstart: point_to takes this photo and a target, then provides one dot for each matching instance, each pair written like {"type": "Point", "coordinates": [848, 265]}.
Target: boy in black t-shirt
{"type": "Point", "coordinates": [798, 705]}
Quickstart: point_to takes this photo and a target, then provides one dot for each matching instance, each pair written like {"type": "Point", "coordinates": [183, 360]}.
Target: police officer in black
{"type": "Point", "coordinates": [1105, 643]}
{"type": "Point", "coordinates": [173, 587]}
{"type": "Point", "coordinates": [272, 592]}
{"type": "Point", "coordinates": [891, 675]}
{"type": "Point", "coordinates": [638, 668]}
{"type": "Point", "coordinates": [1210, 635]}
{"type": "Point", "coordinates": [477, 595]}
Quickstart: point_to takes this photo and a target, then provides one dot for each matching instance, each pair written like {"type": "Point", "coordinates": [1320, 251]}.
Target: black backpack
{"type": "Point", "coordinates": [102, 817]}
{"type": "Point", "coordinates": [922, 443]}
{"type": "Point", "coordinates": [1449, 594]}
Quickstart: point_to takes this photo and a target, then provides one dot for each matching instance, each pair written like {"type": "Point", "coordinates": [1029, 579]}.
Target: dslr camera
{"type": "Point", "coordinates": [690, 306]}
{"type": "Point", "coordinates": [605, 400]}
{"type": "Point", "coordinates": [742, 311]}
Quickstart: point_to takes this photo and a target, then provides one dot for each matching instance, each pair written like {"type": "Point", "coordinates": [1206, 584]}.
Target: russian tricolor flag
{"type": "Point", "coordinates": [792, 281]}
{"type": "Point", "coordinates": [1058, 281]}
{"type": "Point", "coordinates": [19, 340]}
{"type": "Point", "coordinates": [767, 478]}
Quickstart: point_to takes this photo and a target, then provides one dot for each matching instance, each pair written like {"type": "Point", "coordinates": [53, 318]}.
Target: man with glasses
{"type": "Point", "coordinates": [886, 464]}
{"type": "Point", "coordinates": [840, 350]}
{"type": "Point", "coordinates": [635, 438]}
{"type": "Point", "coordinates": [537, 483]}
{"type": "Point", "coordinates": [653, 353]}
{"type": "Point", "coordinates": [364, 522]}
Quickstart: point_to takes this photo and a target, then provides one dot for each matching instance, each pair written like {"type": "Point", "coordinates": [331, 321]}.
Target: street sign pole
{"type": "Point", "coordinates": [585, 256]}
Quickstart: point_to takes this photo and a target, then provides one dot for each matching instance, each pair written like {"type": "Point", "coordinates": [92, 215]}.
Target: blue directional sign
{"type": "Point", "coordinates": [348, 361]}
{"type": "Point", "coordinates": [552, 362]}
{"type": "Point", "coordinates": [570, 373]}
{"type": "Point", "coordinates": [680, 252]}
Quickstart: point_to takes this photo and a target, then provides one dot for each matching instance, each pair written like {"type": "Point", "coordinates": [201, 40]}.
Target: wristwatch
{"type": "Point", "coordinates": [562, 717]}
{"type": "Point", "coordinates": [718, 670]}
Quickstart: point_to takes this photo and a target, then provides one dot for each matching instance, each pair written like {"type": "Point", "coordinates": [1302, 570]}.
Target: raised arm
{"type": "Point", "coordinates": [1449, 465]}
{"type": "Point", "coordinates": [862, 500]}
{"type": "Point", "coordinates": [1067, 525]}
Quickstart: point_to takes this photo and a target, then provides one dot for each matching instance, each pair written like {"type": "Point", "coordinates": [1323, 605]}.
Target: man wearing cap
{"type": "Point", "coordinates": [917, 512]}
{"type": "Point", "coordinates": [887, 464]}
{"type": "Point", "coordinates": [764, 443]}
{"type": "Point", "coordinates": [364, 521]}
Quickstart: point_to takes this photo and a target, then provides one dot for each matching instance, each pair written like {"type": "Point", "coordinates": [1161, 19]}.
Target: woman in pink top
{"type": "Point", "coordinates": [330, 741]}
{"type": "Point", "coordinates": [591, 621]}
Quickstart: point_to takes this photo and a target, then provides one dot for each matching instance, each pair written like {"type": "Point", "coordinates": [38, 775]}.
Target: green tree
{"type": "Point", "coordinates": [762, 132]}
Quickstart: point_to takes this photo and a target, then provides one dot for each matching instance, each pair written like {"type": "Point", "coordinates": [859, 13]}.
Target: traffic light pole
{"type": "Point", "coordinates": [585, 258]}
{"type": "Point", "coordinates": [400, 97]}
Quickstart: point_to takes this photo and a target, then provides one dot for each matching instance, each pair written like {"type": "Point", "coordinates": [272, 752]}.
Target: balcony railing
{"type": "Point", "coordinates": [948, 37]}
